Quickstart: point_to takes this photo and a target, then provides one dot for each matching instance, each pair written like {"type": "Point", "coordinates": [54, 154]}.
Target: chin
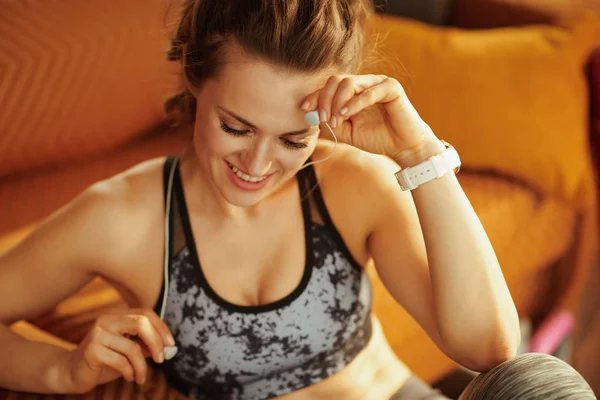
{"type": "Point", "coordinates": [240, 198]}
{"type": "Point", "coordinates": [242, 201]}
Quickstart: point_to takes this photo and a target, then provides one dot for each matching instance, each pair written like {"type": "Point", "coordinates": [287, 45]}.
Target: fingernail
{"type": "Point", "coordinates": [170, 352]}
{"type": "Point", "coordinates": [334, 122]}
{"type": "Point", "coordinates": [323, 115]}
{"type": "Point", "coordinates": [161, 357]}
{"type": "Point", "coordinates": [306, 105]}
{"type": "Point", "coordinates": [171, 341]}
{"type": "Point", "coordinates": [344, 110]}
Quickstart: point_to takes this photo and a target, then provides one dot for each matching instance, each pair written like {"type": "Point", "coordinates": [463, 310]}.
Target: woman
{"type": "Point", "coordinates": [265, 293]}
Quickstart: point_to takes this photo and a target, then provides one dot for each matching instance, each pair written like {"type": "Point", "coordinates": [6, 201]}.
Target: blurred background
{"type": "Point", "coordinates": [514, 85]}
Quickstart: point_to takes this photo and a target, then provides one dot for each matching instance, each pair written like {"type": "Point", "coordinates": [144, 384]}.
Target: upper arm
{"type": "Point", "coordinates": [64, 253]}
{"type": "Point", "coordinates": [397, 246]}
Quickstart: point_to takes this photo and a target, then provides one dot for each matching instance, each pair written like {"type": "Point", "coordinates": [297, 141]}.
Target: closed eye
{"type": "Point", "coordinates": [227, 129]}
{"type": "Point", "coordinates": [294, 145]}
{"type": "Point", "coordinates": [286, 142]}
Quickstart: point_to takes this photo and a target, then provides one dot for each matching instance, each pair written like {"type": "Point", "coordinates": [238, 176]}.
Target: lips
{"type": "Point", "coordinates": [241, 174]}
{"type": "Point", "coordinates": [244, 181]}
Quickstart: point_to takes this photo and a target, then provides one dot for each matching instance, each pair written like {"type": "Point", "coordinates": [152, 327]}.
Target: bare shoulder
{"type": "Point", "coordinates": [108, 211]}
{"type": "Point", "coordinates": [132, 190]}
{"type": "Point", "coordinates": [354, 174]}
{"type": "Point", "coordinates": [128, 210]}
{"type": "Point", "coordinates": [357, 188]}
{"type": "Point", "coordinates": [108, 230]}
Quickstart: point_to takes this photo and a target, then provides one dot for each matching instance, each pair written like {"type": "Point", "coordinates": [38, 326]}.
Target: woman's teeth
{"type": "Point", "coordinates": [245, 177]}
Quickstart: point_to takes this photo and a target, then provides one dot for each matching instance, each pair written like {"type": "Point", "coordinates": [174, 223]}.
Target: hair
{"type": "Point", "coordinates": [530, 376]}
{"type": "Point", "coordinates": [308, 36]}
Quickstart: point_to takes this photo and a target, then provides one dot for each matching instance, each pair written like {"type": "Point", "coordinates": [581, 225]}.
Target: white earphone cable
{"type": "Point", "coordinates": [332, 152]}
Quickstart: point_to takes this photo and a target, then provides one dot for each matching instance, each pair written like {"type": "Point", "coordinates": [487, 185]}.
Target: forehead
{"type": "Point", "coordinates": [246, 81]}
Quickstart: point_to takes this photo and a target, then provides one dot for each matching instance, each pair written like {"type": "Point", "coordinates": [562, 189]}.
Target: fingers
{"type": "Point", "coordinates": [349, 88]}
{"type": "Point", "coordinates": [326, 97]}
{"type": "Point", "coordinates": [383, 92]}
{"type": "Point", "coordinates": [117, 352]}
{"type": "Point", "coordinates": [142, 325]}
{"type": "Point", "coordinates": [116, 361]}
{"type": "Point", "coordinates": [346, 95]}
{"type": "Point", "coordinates": [320, 100]}
{"type": "Point", "coordinates": [160, 326]}
{"type": "Point", "coordinates": [118, 345]}
{"type": "Point", "coordinates": [131, 350]}
{"type": "Point", "coordinates": [136, 325]}
{"type": "Point", "coordinates": [158, 323]}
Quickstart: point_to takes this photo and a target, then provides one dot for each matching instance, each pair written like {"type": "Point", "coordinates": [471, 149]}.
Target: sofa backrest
{"type": "Point", "coordinates": [485, 14]}
{"type": "Point", "coordinates": [78, 78]}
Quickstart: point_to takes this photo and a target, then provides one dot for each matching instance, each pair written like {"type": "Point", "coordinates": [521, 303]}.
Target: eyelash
{"type": "Point", "coordinates": [232, 131]}
{"type": "Point", "coordinates": [288, 143]}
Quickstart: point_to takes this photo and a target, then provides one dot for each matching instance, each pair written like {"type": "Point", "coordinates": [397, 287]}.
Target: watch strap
{"type": "Point", "coordinates": [432, 168]}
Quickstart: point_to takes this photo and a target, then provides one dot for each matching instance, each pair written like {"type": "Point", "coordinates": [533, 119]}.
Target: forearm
{"type": "Point", "coordinates": [27, 365]}
{"type": "Point", "coordinates": [475, 312]}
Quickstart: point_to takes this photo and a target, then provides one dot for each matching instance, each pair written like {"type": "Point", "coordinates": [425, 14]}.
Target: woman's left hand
{"type": "Point", "coordinates": [372, 113]}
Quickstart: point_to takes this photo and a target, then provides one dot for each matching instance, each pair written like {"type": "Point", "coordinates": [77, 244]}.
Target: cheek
{"type": "Point", "coordinates": [293, 160]}
{"type": "Point", "coordinates": [209, 138]}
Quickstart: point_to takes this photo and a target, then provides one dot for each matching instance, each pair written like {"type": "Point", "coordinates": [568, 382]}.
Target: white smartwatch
{"type": "Point", "coordinates": [433, 168]}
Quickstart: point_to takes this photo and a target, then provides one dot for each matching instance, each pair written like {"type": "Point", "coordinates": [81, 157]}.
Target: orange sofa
{"type": "Point", "coordinates": [82, 94]}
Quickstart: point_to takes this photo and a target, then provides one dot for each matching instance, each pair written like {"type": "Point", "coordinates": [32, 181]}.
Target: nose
{"type": "Point", "coordinates": [258, 159]}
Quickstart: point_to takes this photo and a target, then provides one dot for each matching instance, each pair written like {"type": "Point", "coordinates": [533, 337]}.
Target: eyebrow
{"type": "Point", "coordinates": [243, 121]}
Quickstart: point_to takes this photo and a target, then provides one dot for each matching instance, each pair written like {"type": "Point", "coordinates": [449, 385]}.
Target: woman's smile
{"type": "Point", "coordinates": [244, 181]}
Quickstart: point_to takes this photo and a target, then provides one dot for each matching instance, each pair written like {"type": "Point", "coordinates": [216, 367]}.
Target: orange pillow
{"type": "Point", "coordinates": [512, 99]}
{"type": "Point", "coordinates": [79, 77]}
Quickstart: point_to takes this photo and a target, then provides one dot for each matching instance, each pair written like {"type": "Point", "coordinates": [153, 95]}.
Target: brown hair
{"type": "Point", "coordinates": [296, 35]}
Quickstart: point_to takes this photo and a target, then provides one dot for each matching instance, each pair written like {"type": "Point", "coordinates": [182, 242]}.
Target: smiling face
{"type": "Point", "coordinates": [250, 136]}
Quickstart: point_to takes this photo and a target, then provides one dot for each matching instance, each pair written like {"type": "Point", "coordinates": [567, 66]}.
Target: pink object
{"type": "Point", "coordinates": [551, 333]}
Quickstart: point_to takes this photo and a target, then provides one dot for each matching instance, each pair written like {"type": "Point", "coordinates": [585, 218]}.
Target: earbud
{"type": "Point", "coordinates": [312, 118]}
{"type": "Point", "coordinates": [170, 352]}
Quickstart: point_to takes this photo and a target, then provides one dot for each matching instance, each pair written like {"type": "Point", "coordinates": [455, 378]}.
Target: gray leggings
{"type": "Point", "coordinates": [530, 376]}
{"type": "Point", "coordinates": [416, 389]}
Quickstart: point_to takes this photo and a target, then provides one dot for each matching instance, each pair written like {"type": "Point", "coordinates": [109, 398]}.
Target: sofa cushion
{"type": "Point", "coordinates": [436, 12]}
{"type": "Point", "coordinates": [487, 13]}
{"type": "Point", "coordinates": [29, 197]}
{"type": "Point", "coordinates": [484, 14]}
{"type": "Point", "coordinates": [79, 77]}
{"type": "Point", "coordinates": [511, 99]}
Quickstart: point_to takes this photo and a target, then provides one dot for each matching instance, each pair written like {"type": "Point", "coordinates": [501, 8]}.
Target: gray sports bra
{"type": "Point", "coordinates": [228, 351]}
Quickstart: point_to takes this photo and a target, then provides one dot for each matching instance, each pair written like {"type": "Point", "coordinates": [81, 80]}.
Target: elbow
{"type": "Point", "coordinates": [483, 355]}
{"type": "Point", "coordinates": [489, 360]}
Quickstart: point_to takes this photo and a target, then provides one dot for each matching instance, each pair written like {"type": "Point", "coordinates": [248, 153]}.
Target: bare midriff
{"type": "Point", "coordinates": [375, 374]}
